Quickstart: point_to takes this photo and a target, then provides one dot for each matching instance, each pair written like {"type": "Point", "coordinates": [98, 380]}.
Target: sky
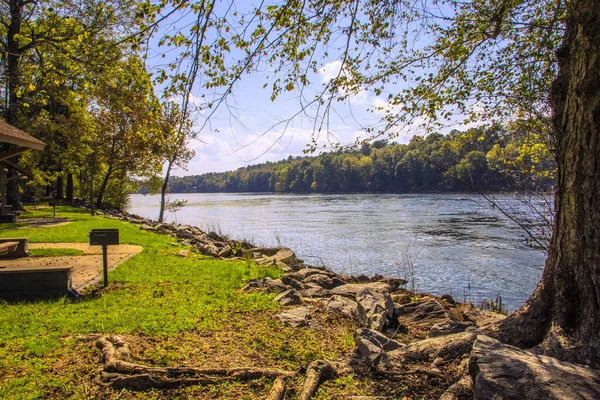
{"type": "Point", "coordinates": [251, 129]}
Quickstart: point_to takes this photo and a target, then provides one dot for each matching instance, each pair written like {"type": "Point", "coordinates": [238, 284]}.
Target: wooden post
{"type": "Point", "coordinates": [3, 189]}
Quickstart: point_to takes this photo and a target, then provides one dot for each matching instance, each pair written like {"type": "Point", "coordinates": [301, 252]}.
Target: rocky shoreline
{"type": "Point", "coordinates": [400, 332]}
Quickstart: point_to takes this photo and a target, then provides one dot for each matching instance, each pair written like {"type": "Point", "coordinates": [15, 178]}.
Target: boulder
{"type": "Point", "coordinates": [374, 308]}
{"type": "Point", "coordinates": [288, 298]}
{"type": "Point", "coordinates": [480, 317]}
{"type": "Point", "coordinates": [303, 273]}
{"type": "Point", "coordinates": [351, 289]}
{"type": "Point", "coordinates": [342, 305]}
{"type": "Point", "coordinates": [296, 317]}
{"type": "Point", "coordinates": [401, 298]}
{"type": "Point", "coordinates": [215, 236]}
{"type": "Point", "coordinates": [501, 371]}
{"type": "Point", "coordinates": [167, 227]}
{"type": "Point", "coordinates": [448, 298]}
{"type": "Point", "coordinates": [207, 248]}
{"type": "Point", "coordinates": [314, 291]}
{"type": "Point", "coordinates": [324, 281]}
{"type": "Point", "coordinates": [460, 390]}
{"type": "Point", "coordinates": [266, 284]}
{"type": "Point", "coordinates": [372, 344]}
{"type": "Point", "coordinates": [149, 228]}
{"type": "Point", "coordinates": [449, 327]}
{"type": "Point", "coordinates": [291, 282]}
{"type": "Point", "coordinates": [424, 313]}
{"type": "Point", "coordinates": [225, 252]}
{"type": "Point", "coordinates": [183, 234]}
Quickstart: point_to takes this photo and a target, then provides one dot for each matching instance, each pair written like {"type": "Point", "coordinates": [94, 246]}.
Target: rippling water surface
{"type": "Point", "coordinates": [459, 243]}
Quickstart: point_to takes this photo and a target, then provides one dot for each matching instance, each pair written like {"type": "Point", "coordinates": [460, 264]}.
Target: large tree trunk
{"type": "Point", "coordinates": [562, 318]}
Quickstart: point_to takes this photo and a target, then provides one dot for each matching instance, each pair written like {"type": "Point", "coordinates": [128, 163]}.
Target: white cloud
{"type": "Point", "coordinates": [330, 70]}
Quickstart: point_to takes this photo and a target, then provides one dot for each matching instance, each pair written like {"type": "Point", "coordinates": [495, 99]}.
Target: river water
{"type": "Point", "coordinates": [456, 243]}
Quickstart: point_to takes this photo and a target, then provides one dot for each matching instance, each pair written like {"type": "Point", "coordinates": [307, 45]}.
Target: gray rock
{"type": "Point", "coordinates": [401, 298]}
{"type": "Point", "coordinates": [225, 252]}
{"type": "Point", "coordinates": [182, 234]}
{"type": "Point", "coordinates": [266, 284]}
{"type": "Point", "coordinates": [448, 327]}
{"type": "Point", "coordinates": [374, 308]}
{"type": "Point", "coordinates": [448, 298]}
{"type": "Point", "coordinates": [314, 291]}
{"type": "Point", "coordinates": [296, 318]}
{"type": "Point", "coordinates": [324, 281]}
{"type": "Point", "coordinates": [372, 344]}
{"type": "Point", "coordinates": [215, 236]}
{"type": "Point", "coordinates": [288, 298]}
{"type": "Point", "coordinates": [424, 313]}
{"type": "Point", "coordinates": [500, 371]}
{"type": "Point", "coordinates": [480, 317]}
{"type": "Point", "coordinates": [304, 273]}
{"type": "Point", "coordinates": [167, 227]}
{"type": "Point", "coordinates": [460, 390]}
{"type": "Point", "coordinates": [291, 282]}
{"type": "Point", "coordinates": [351, 289]}
{"type": "Point", "coordinates": [148, 228]}
{"type": "Point", "coordinates": [342, 305]}
{"type": "Point", "coordinates": [207, 248]}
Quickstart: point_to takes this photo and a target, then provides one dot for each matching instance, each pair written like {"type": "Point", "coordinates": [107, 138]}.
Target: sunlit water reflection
{"type": "Point", "coordinates": [460, 244]}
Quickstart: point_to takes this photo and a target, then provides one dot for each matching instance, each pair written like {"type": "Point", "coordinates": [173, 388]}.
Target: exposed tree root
{"type": "Point", "coordinates": [278, 389]}
{"type": "Point", "coordinates": [446, 347]}
{"type": "Point", "coordinates": [415, 371]}
{"type": "Point", "coordinates": [123, 374]}
{"type": "Point", "coordinates": [317, 372]}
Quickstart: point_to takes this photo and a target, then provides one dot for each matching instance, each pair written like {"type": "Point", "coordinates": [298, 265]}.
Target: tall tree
{"type": "Point", "coordinates": [482, 60]}
{"type": "Point", "coordinates": [126, 113]}
{"type": "Point", "coordinates": [175, 133]}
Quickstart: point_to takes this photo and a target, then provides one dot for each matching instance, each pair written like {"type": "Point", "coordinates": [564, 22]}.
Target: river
{"type": "Point", "coordinates": [456, 243]}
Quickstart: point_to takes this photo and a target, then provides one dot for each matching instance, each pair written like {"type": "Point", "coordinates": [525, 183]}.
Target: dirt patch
{"type": "Point", "coordinates": [42, 222]}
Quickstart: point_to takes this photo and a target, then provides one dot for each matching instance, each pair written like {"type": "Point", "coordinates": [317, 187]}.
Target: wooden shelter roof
{"type": "Point", "coordinates": [12, 135]}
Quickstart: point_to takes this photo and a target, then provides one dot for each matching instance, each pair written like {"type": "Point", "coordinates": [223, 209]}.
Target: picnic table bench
{"type": "Point", "coordinates": [14, 247]}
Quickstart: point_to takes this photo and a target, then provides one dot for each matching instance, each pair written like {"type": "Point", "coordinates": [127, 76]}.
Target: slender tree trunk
{"type": "Point", "coordinates": [13, 193]}
{"type": "Point", "coordinates": [14, 53]}
{"type": "Point", "coordinates": [13, 58]}
{"type": "Point", "coordinates": [163, 192]}
{"type": "Point", "coordinates": [70, 187]}
{"type": "Point", "coordinates": [562, 317]}
{"type": "Point", "coordinates": [60, 187]}
{"type": "Point", "coordinates": [103, 187]}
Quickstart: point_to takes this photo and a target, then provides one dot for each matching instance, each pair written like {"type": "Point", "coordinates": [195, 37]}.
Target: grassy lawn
{"type": "Point", "coordinates": [175, 310]}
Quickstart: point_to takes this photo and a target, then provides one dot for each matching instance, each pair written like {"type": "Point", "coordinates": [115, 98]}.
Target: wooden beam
{"type": "Point", "coordinates": [16, 166]}
{"type": "Point", "coordinates": [13, 152]}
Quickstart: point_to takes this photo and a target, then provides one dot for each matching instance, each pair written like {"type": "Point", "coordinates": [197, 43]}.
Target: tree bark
{"type": "Point", "coordinates": [103, 187]}
{"type": "Point", "coordinates": [163, 193]}
{"type": "Point", "coordinates": [70, 187]}
{"type": "Point", "coordinates": [562, 317]}
{"type": "Point", "coordinates": [60, 187]}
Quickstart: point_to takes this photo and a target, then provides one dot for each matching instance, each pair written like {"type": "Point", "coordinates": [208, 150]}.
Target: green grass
{"type": "Point", "coordinates": [155, 293]}
{"type": "Point", "coordinates": [54, 252]}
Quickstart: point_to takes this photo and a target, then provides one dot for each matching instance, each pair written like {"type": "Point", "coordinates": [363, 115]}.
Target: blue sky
{"type": "Point", "coordinates": [250, 128]}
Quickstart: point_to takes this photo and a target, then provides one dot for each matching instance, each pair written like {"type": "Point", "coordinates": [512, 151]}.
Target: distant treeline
{"type": "Point", "coordinates": [492, 159]}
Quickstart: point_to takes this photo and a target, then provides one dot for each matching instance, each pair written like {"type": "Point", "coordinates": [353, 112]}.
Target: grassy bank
{"type": "Point", "coordinates": [176, 310]}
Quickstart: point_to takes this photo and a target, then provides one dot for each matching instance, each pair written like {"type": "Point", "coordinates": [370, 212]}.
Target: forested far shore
{"type": "Point", "coordinates": [492, 159]}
